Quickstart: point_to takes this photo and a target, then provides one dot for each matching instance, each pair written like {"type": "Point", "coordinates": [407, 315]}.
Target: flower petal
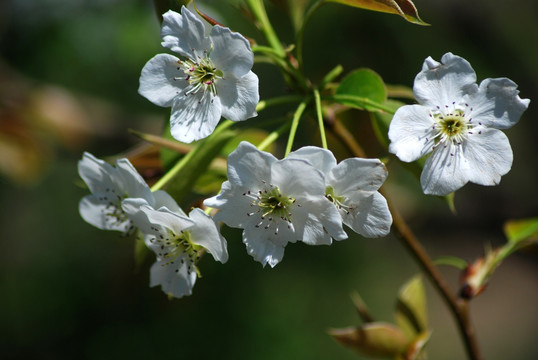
{"type": "Point", "coordinates": [234, 204]}
{"type": "Point", "coordinates": [175, 279]}
{"type": "Point", "coordinates": [411, 132]}
{"type": "Point", "coordinates": [231, 52]}
{"type": "Point", "coordinates": [489, 156]}
{"type": "Point", "coordinates": [194, 116]}
{"type": "Point", "coordinates": [249, 167]}
{"type": "Point", "coordinates": [354, 174]}
{"type": "Point", "coordinates": [238, 96]}
{"type": "Point", "coordinates": [95, 173]}
{"type": "Point", "coordinates": [497, 104]}
{"type": "Point", "coordinates": [130, 181]}
{"type": "Point", "coordinates": [317, 221]}
{"type": "Point", "coordinates": [205, 233]}
{"type": "Point", "coordinates": [157, 81]}
{"type": "Point", "coordinates": [264, 245]}
{"type": "Point", "coordinates": [94, 210]}
{"type": "Point", "coordinates": [184, 33]}
{"type": "Point", "coordinates": [163, 199]}
{"type": "Point", "coordinates": [370, 216]}
{"type": "Point", "coordinates": [440, 84]}
{"type": "Point", "coordinates": [321, 159]}
{"type": "Point", "coordinates": [444, 171]}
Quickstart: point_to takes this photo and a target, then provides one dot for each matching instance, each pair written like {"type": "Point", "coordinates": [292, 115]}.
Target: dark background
{"type": "Point", "coordinates": [68, 79]}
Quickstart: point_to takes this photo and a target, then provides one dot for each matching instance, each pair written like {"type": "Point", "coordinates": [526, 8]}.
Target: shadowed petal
{"type": "Point", "coordinates": [238, 96]}
{"type": "Point", "coordinates": [184, 33]}
{"type": "Point", "coordinates": [231, 51]}
{"type": "Point", "coordinates": [157, 82]}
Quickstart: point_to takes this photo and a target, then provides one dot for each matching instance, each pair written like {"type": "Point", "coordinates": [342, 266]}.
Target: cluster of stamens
{"type": "Point", "coordinates": [201, 74]}
{"type": "Point", "coordinates": [452, 124]}
{"type": "Point", "coordinates": [176, 248]}
{"type": "Point", "coordinates": [338, 201]}
{"type": "Point", "coordinates": [273, 207]}
{"type": "Point", "coordinates": [114, 214]}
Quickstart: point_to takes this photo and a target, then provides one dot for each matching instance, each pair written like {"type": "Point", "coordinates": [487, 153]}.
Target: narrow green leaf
{"type": "Point", "coordinates": [203, 154]}
{"type": "Point", "coordinates": [404, 8]}
{"type": "Point", "coordinates": [454, 261]}
{"type": "Point", "coordinates": [362, 88]}
{"type": "Point", "coordinates": [411, 313]}
{"type": "Point", "coordinates": [521, 230]}
{"type": "Point", "coordinates": [374, 339]}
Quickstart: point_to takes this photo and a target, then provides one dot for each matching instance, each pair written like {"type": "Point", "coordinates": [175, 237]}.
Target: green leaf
{"type": "Point", "coordinates": [521, 230]}
{"type": "Point", "coordinates": [415, 350]}
{"type": "Point", "coordinates": [362, 88]}
{"type": "Point", "coordinates": [404, 8]}
{"type": "Point", "coordinates": [411, 313]}
{"type": "Point", "coordinates": [374, 339]}
{"type": "Point", "coordinates": [454, 261]}
{"type": "Point", "coordinates": [202, 155]}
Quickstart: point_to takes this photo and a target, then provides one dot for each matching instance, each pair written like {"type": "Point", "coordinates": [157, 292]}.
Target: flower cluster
{"type": "Point", "coordinates": [213, 80]}
{"type": "Point", "coordinates": [459, 122]}
{"type": "Point", "coordinates": [304, 197]}
{"type": "Point", "coordinates": [121, 200]}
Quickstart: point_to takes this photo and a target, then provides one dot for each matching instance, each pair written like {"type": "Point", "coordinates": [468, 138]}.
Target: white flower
{"type": "Point", "coordinates": [458, 122]}
{"type": "Point", "coordinates": [352, 187]}
{"type": "Point", "coordinates": [213, 80]}
{"type": "Point", "coordinates": [178, 241]}
{"type": "Point", "coordinates": [110, 186]}
{"type": "Point", "coordinates": [275, 202]}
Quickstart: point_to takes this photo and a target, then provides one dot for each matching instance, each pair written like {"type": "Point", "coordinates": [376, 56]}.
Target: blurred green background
{"type": "Point", "coordinates": [68, 83]}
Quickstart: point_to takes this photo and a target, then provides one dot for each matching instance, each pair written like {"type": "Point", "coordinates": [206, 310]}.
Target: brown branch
{"type": "Point", "coordinates": [458, 307]}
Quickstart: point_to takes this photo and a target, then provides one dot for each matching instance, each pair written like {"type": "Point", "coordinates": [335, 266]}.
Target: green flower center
{"type": "Point", "coordinates": [453, 125]}
{"type": "Point", "coordinates": [338, 201]}
{"type": "Point", "coordinates": [273, 204]}
{"type": "Point", "coordinates": [177, 247]}
{"type": "Point", "coordinates": [201, 74]}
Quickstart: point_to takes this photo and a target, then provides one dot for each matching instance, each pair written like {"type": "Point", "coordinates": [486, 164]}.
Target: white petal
{"type": "Point", "coordinates": [147, 218]}
{"type": "Point", "coordinates": [234, 206]}
{"type": "Point", "coordinates": [297, 178]}
{"type": "Point", "coordinates": [444, 171]}
{"type": "Point", "coordinates": [497, 104]}
{"type": "Point", "coordinates": [94, 210]}
{"type": "Point", "coordinates": [238, 96]}
{"type": "Point", "coordinates": [489, 156]}
{"type": "Point", "coordinates": [355, 174]}
{"type": "Point", "coordinates": [163, 199]}
{"type": "Point", "coordinates": [205, 233]}
{"type": "Point", "coordinates": [184, 33]}
{"type": "Point", "coordinates": [411, 132]}
{"type": "Point", "coordinates": [317, 221]}
{"type": "Point", "coordinates": [321, 159]}
{"type": "Point", "coordinates": [130, 181]}
{"type": "Point", "coordinates": [370, 217]}
{"type": "Point", "coordinates": [95, 173]}
{"type": "Point", "coordinates": [248, 167]}
{"type": "Point", "coordinates": [439, 84]}
{"type": "Point", "coordinates": [176, 283]}
{"type": "Point", "coordinates": [194, 116]}
{"type": "Point", "coordinates": [264, 246]}
{"type": "Point", "coordinates": [231, 51]}
{"type": "Point", "coordinates": [157, 81]}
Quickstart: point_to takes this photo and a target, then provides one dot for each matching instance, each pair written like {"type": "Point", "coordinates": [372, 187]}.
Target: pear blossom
{"type": "Point", "coordinates": [352, 187]}
{"type": "Point", "coordinates": [110, 185]}
{"type": "Point", "coordinates": [212, 80]}
{"type": "Point", "coordinates": [459, 123]}
{"type": "Point", "coordinates": [178, 241]}
{"type": "Point", "coordinates": [276, 202]}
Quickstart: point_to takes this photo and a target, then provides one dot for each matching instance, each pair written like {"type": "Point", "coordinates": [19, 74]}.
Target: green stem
{"type": "Point", "coordinates": [331, 75]}
{"type": "Point", "coordinates": [185, 159]}
{"type": "Point", "coordinates": [300, 35]}
{"type": "Point", "coordinates": [288, 99]}
{"type": "Point", "coordinates": [355, 101]}
{"type": "Point", "coordinates": [320, 119]}
{"type": "Point", "coordinates": [260, 14]}
{"type": "Point", "coordinates": [273, 136]}
{"type": "Point", "coordinates": [295, 123]}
